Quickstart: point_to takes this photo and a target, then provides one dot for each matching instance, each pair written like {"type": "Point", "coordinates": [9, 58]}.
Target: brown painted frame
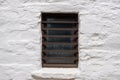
{"type": "Point", "coordinates": [43, 25]}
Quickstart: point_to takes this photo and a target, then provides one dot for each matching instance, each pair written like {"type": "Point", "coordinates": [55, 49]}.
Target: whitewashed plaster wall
{"type": "Point", "coordinates": [99, 37]}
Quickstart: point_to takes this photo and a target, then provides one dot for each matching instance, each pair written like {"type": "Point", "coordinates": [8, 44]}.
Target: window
{"type": "Point", "coordinates": [59, 39]}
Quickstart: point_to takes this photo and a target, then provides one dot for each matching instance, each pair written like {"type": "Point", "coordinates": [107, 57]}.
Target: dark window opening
{"type": "Point", "coordinates": [59, 39]}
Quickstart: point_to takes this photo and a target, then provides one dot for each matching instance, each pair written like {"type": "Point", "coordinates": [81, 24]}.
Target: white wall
{"type": "Point", "coordinates": [99, 39]}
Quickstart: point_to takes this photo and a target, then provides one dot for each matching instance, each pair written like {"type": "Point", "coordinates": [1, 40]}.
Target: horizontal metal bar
{"type": "Point", "coordinates": [59, 22]}
{"type": "Point", "coordinates": [61, 43]}
{"type": "Point", "coordinates": [60, 65]}
{"type": "Point", "coordinates": [60, 29]}
{"type": "Point", "coordinates": [61, 36]}
{"type": "Point", "coordinates": [60, 50]}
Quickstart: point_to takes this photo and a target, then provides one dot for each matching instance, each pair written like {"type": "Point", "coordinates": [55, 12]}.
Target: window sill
{"type": "Point", "coordinates": [55, 73]}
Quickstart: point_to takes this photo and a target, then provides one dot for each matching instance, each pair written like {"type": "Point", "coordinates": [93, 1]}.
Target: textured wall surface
{"type": "Point", "coordinates": [99, 37]}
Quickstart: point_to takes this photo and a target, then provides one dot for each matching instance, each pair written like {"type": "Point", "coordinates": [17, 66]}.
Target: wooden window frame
{"type": "Point", "coordinates": [75, 65]}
